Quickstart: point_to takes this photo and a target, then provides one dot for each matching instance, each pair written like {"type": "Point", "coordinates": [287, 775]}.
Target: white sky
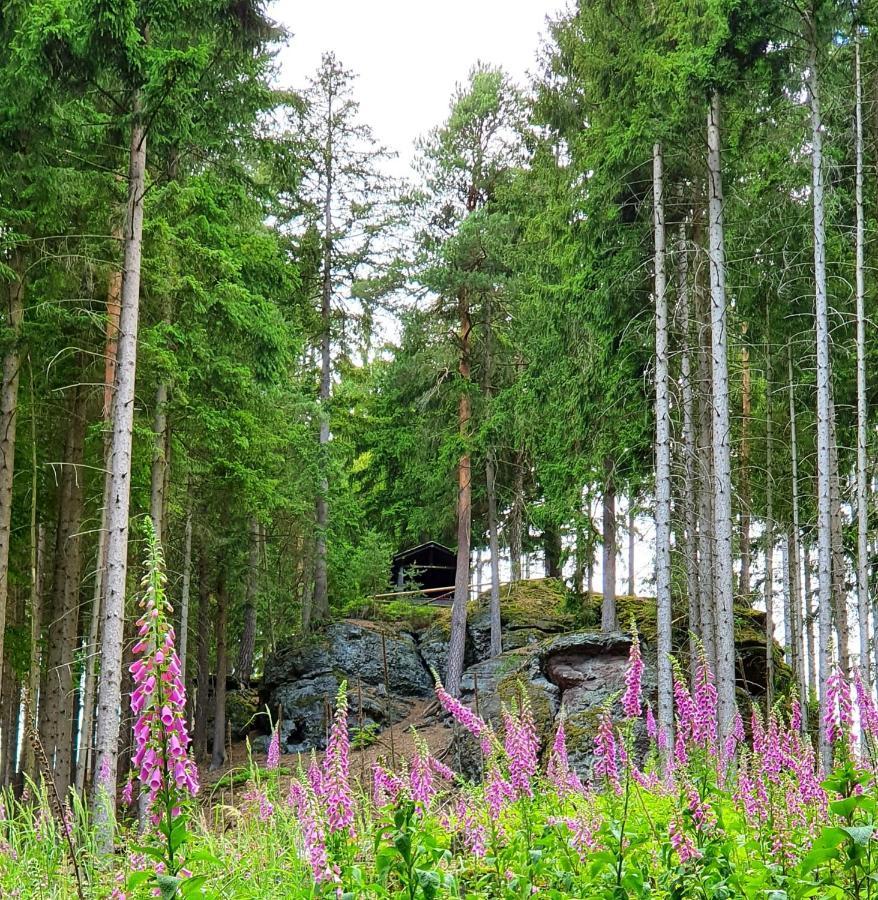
{"type": "Point", "coordinates": [409, 54]}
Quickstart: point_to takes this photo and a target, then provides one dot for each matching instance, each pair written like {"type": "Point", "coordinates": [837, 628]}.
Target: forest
{"type": "Point", "coordinates": [601, 370]}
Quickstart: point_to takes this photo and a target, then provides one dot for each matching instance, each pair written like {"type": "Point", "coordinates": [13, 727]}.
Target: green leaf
{"type": "Point", "coordinates": [168, 885]}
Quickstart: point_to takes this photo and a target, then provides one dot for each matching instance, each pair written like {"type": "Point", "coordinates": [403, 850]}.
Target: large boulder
{"type": "Point", "coordinates": [580, 672]}
{"type": "Point", "coordinates": [302, 679]}
{"type": "Point", "coordinates": [354, 651]}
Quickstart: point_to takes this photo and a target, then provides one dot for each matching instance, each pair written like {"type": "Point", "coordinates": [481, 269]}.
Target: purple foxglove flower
{"type": "Point", "coordinates": [633, 682]}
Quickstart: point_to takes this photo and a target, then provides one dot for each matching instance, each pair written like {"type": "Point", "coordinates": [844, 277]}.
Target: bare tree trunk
{"type": "Point", "coordinates": [457, 642]}
{"type": "Point", "coordinates": [494, 543]}
{"type": "Point", "coordinates": [664, 612]}
{"type": "Point", "coordinates": [199, 731]}
{"type": "Point", "coordinates": [689, 453]}
{"type": "Point", "coordinates": [608, 604]}
{"type": "Point", "coordinates": [824, 411]}
{"type": "Point", "coordinates": [38, 566]}
{"type": "Point", "coordinates": [57, 710]}
{"type": "Point", "coordinates": [159, 461]}
{"type": "Point", "coordinates": [119, 476]}
{"type": "Point", "coordinates": [248, 633]}
{"type": "Point", "coordinates": [722, 465]}
{"type": "Point", "coordinates": [491, 489]}
{"type": "Point", "coordinates": [795, 561]}
{"type": "Point", "coordinates": [8, 420]}
{"type": "Point", "coordinates": [111, 346]}
{"type": "Point", "coordinates": [809, 624]}
{"type": "Point", "coordinates": [839, 566]}
{"type": "Point", "coordinates": [632, 588]}
{"type": "Point", "coordinates": [319, 607]}
{"type": "Point", "coordinates": [706, 554]}
{"type": "Point", "coordinates": [186, 588]}
{"type": "Point", "coordinates": [516, 516]}
{"type": "Point", "coordinates": [862, 504]}
{"type": "Point", "coordinates": [744, 582]}
{"type": "Point", "coordinates": [10, 712]}
{"type": "Point", "coordinates": [768, 587]}
{"type": "Point", "coordinates": [218, 756]}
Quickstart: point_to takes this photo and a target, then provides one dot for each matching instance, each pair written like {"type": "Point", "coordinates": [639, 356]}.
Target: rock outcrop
{"type": "Point", "coordinates": [555, 657]}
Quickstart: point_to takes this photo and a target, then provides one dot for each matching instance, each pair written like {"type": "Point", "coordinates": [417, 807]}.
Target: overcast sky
{"type": "Point", "coordinates": [409, 54]}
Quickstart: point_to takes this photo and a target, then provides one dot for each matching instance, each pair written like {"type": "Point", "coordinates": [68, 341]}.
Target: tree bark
{"type": "Point", "coordinates": [706, 549]}
{"type": "Point", "coordinates": [8, 421]}
{"type": "Point", "coordinates": [319, 607]}
{"type": "Point", "coordinates": [158, 477]}
{"type": "Point", "coordinates": [768, 587]}
{"type": "Point", "coordinates": [119, 478]}
{"type": "Point", "coordinates": [186, 588]}
{"type": "Point", "coordinates": [664, 613]}
{"type": "Point", "coordinates": [491, 490]}
{"type": "Point", "coordinates": [57, 710]}
{"type": "Point", "coordinates": [632, 581]}
{"type": "Point", "coordinates": [199, 731]}
{"type": "Point", "coordinates": [457, 642]}
{"type": "Point", "coordinates": [839, 566]}
{"type": "Point", "coordinates": [494, 543]}
{"type": "Point", "coordinates": [689, 452]}
{"type": "Point", "coordinates": [722, 464]}
{"type": "Point", "coordinates": [862, 503]}
{"type": "Point", "coordinates": [798, 621]}
{"type": "Point", "coordinates": [516, 517]}
{"type": "Point", "coordinates": [824, 430]}
{"type": "Point", "coordinates": [608, 603]}
{"type": "Point", "coordinates": [248, 633]}
{"type": "Point", "coordinates": [744, 489]}
{"type": "Point", "coordinates": [218, 756]}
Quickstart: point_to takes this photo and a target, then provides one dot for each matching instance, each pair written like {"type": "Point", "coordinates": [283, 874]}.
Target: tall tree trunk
{"type": "Point", "coordinates": [10, 712]}
{"type": "Point", "coordinates": [862, 504]}
{"type": "Point", "coordinates": [158, 477]}
{"type": "Point", "coordinates": [664, 613]}
{"type": "Point", "coordinates": [494, 543]}
{"type": "Point", "coordinates": [824, 411]}
{"type": "Point", "coordinates": [457, 642]}
{"type": "Point", "coordinates": [57, 710]}
{"type": "Point", "coordinates": [319, 607]}
{"type": "Point", "coordinates": [809, 624]}
{"type": "Point", "coordinates": [491, 490]}
{"type": "Point", "coordinates": [218, 756]}
{"type": "Point", "coordinates": [111, 346]}
{"type": "Point", "coordinates": [632, 586]}
{"type": "Point", "coordinates": [119, 477]}
{"type": "Point", "coordinates": [839, 586]}
{"type": "Point", "coordinates": [516, 516]}
{"type": "Point", "coordinates": [248, 633]}
{"type": "Point", "coordinates": [722, 464]}
{"type": "Point", "coordinates": [690, 511]}
{"type": "Point", "coordinates": [608, 604]}
{"type": "Point", "coordinates": [202, 699]}
{"type": "Point", "coordinates": [706, 549]}
{"type": "Point", "coordinates": [744, 487]}
{"type": "Point", "coordinates": [186, 588]}
{"type": "Point", "coordinates": [8, 420]}
{"type": "Point", "coordinates": [798, 623]}
{"type": "Point", "coordinates": [38, 568]}
{"type": "Point", "coordinates": [768, 586]}
{"type": "Point", "coordinates": [553, 550]}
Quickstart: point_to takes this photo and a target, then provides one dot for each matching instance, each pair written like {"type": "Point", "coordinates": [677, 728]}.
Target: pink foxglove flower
{"type": "Point", "coordinates": [682, 842]}
{"type": "Point", "coordinates": [606, 753]}
{"type": "Point", "coordinates": [631, 699]}
{"type": "Point", "coordinates": [161, 739]}
{"type": "Point", "coordinates": [521, 745]}
{"type": "Point", "coordinates": [272, 759]}
{"type": "Point", "coordinates": [476, 726]}
{"type": "Point", "coordinates": [336, 769]}
{"type": "Point", "coordinates": [838, 719]}
{"type": "Point", "coordinates": [704, 722]}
